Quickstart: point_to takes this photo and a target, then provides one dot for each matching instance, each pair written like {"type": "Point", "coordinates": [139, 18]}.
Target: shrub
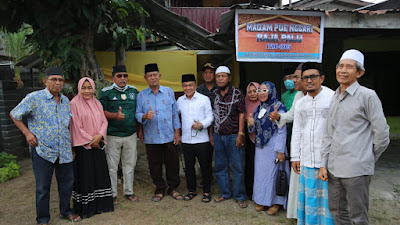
{"type": "Point", "coordinates": [8, 167]}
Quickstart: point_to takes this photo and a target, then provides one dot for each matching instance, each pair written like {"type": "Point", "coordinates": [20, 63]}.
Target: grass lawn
{"type": "Point", "coordinates": [394, 123]}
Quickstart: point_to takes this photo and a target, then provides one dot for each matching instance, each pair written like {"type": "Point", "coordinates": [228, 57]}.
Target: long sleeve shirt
{"type": "Point", "coordinates": [356, 133]}
{"type": "Point", "coordinates": [289, 115]}
{"type": "Point", "coordinates": [308, 128]}
{"type": "Point", "coordinates": [49, 122]}
{"type": "Point", "coordinates": [197, 108]}
{"type": "Point", "coordinates": [160, 129]}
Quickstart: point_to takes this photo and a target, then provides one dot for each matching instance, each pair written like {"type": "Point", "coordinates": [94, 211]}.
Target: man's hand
{"type": "Point", "coordinates": [323, 174]}
{"type": "Point", "coordinates": [274, 115]}
{"type": "Point", "coordinates": [120, 115]}
{"type": "Point", "coordinates": [95, 141]}
{"type": "Point", "coordinates": [140, 133]}
{"type": "Point", "coordinates": [250, 120]}
{"type": "Point", "coordinates": [197, 125]}
{"type": "Point", "coordinates": [149, 115]}
{"type": "Point", "coordinates": [296, 166]}
{"type": "Point", "coordinates": [239, 141]}
{"type": "Point", "coordinates": [177, 137]}
{"type": "Point", "coordinates": [31, 138]}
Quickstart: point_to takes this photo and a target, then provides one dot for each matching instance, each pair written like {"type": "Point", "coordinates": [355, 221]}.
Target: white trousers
{"type": "Point", "coordinates": [124, 149]}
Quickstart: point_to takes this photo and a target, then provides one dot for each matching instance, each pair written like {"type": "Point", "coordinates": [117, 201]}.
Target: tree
{"type": "Point", "coordinates": [64, 30]}
{"type": "Point", "coordinates": [16, 47]}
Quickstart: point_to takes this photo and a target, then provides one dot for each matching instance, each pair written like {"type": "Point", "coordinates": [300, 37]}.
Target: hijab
{"type": "Point", "coordinates": [265, 129]}
{"type": "Point", "coordinates": [88, 118]}
{"type": "Point", "coordinates": [250, 105]}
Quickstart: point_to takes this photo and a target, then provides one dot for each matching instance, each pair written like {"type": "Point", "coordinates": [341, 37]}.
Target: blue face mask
{"type": "Point", "coordinates": [289, 84]}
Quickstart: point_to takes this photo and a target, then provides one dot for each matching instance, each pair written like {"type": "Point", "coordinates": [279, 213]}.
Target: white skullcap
{"type": "Point", "coordinates": [354, 55]}
{"type": "Point", "coordinates": [223, 69]}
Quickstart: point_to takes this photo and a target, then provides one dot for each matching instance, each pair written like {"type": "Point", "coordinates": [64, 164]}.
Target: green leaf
{"type": "Point", "coordinates": [100, 28]}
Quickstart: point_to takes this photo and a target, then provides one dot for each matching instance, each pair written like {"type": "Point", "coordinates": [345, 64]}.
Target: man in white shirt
{"type": "Point", "coordinates": [196, 113]}
{"type": "Point", "coordinates": [308, 127]}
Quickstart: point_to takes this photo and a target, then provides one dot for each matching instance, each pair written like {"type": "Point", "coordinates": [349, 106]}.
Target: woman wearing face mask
{"type": "Point", "coordinates": [270, 145]}
{"type": "Point", "coordinates": [92, 192]}
{"type": "Point", "coordinates": [251, 101]}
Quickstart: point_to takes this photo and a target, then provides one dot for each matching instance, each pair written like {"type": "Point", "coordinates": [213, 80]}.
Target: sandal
{"type": "Point", "coordinates": [132, 198]}
{"type": "Point", "coordinates": [157, 197]}
{"type": "Point", "coordinates": [220, 199]}
{"type": "Point", "coordinates": [72, 218]}
{"type": "Point", "coordinates": [115, 200]}
{"type": "Point", "coordinates": [242, 203]}
{"type": "Point", "coordinates": [190, 196]}
{"type": "Point", "coordinates": [176, 195]}
{"type": "Point", "coordinates": [206, 198]}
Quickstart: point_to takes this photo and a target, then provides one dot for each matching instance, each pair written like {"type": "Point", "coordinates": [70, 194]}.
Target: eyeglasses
{"type": "Point", "coordinates": [121, 75]}
{"type": "Point", "coordinates": [54, 79]}
{"type": "Point", "coordinates": [262, 90]}
{"type": "Point", "coordinates": [312, 77]}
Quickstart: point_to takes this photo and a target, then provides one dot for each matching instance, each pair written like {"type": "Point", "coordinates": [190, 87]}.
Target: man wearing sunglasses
{"type": "Point", "coordinates": [306, 146]}
{"type": "Point", "coordinates": [356, 135]}
{"type": "Point", "coordinates": [119, 104]}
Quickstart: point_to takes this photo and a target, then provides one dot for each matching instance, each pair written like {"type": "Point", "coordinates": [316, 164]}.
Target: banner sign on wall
{"type": "Point", "coordinates": [279, 36]}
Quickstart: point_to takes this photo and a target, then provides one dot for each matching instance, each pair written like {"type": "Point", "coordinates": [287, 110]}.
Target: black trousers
{"type": "Point", "coordinates": [167, 153]}
{"type": "Point", "coordinates": [249, 154]}
{"type": "Point", "coordinates": [203, 152]}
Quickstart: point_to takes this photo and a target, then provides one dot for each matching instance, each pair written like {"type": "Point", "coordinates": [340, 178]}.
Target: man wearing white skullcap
{"type": "Point", "coordinates": [229, 110]}
{"type": "Point", "coordinates": [356, 135]}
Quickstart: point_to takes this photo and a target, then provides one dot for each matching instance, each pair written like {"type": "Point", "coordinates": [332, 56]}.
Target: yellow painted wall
{"type": "Point", "coordinates": [172, 64]}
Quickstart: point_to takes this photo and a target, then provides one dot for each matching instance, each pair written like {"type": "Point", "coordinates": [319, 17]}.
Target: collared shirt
{"type": "Point", "coordinates": [198, 108]}
{"type": "Point", "coordinates": [308, 128]}
{"type": "Point", "coordinates": [160, 129]}
{"type": "Point", "coordinates": [356, 133]}
{"type": "Point", "coordinates": [288, 98]}
{"type": "Point", "coordinates": [112, 99]}
{"type": "Point", "coordinates": [289, 115]}
{"type": "Point", "coordinates": [49, 122]}
{"type": "Point", "coordinates": [202, 89]}
{"type": "Point", "coordinates": [226, 111]}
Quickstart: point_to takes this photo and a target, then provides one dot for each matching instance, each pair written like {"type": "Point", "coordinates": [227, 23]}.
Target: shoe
{"type": "Point", "coordinates": [242, 203]}
{"type": "Point", "coordinates": [260, 208]}
{"type": "Point", "coordinates": [132, 198]}
{"type": "Point", "coordinates": [176, 195]}
{"type": "Point", "coordinates": [273, 210]}
{"type": "Point", "coordinates": [72, 218]}
{"type": "Point", "coordinates": [157, 197]}
{"type": "Point", "coordinates": [190, 196]}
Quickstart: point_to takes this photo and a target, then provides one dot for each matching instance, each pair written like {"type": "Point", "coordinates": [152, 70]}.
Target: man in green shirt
{"type": "Point", "coordinates": [119, 104]}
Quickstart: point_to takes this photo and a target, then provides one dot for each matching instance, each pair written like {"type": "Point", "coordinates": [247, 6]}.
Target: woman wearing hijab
{"type": "Point", "coordinates": [251, 101]}
{"type": "Point", "coordinates": [270, 145]}
{"type": "Point", "coordinates": [92, 187]}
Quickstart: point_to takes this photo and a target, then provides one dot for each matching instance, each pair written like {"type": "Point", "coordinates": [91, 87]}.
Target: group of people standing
{"type": "Point", "coordinates": [336, 138]}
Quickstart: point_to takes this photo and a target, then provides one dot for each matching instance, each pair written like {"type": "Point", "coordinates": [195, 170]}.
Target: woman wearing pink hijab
{"type": "Point", "coordinates": [92, 192]}
{"type": "Point", "coordinates": [251, 101]}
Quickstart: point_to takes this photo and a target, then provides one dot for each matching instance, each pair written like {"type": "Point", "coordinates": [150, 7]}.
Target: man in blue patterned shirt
{"type": "Point", "coordinates": [157, 111]}
{"type": "Point", "coordinates": [48, 113]}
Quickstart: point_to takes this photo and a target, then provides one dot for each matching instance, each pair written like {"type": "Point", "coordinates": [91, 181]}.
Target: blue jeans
{"type": "Point", "coordinates": [43, 171]}
{"type": "Point", "coordinates": [226, 152]}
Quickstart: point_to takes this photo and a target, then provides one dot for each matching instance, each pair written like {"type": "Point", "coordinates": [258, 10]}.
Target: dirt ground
{"type": "Point", "coordinates": [17, 200]}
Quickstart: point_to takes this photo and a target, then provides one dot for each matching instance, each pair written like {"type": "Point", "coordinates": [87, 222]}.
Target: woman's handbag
{"type": "Point", "coordinates": [282, 185]}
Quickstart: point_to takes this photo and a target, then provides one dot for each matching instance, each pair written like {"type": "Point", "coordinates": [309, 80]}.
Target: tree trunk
{"type": "Point", "coordinates": [90, 67]}
{"type": "Point", "coordinates": [120, 56]}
